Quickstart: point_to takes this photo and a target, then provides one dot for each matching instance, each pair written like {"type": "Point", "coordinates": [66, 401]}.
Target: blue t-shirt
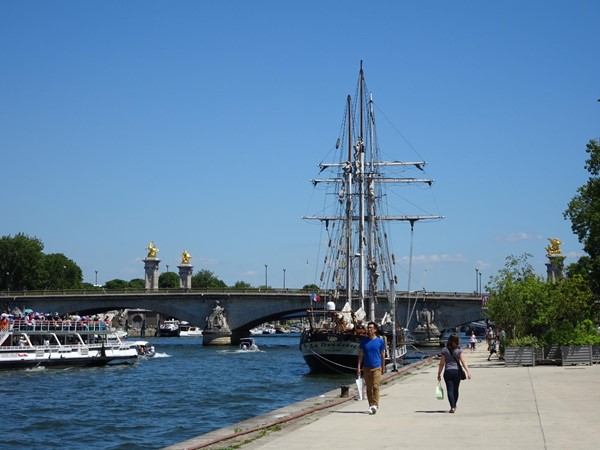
{"type": "Point", "coordinates": [372, 349]}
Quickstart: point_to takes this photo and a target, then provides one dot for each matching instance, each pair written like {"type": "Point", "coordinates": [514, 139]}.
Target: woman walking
{"type": "Point", "coordinates": [450, 361]}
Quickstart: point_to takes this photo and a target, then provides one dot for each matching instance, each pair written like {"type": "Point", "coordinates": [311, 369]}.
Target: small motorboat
{"type": "Point", "coordinates": [248, 344]}
{"type": "Point", "coordinates": [144, 348]}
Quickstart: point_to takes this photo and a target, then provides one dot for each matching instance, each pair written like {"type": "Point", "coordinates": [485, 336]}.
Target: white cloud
{"type": "Point", "coordinates": [514, 237]}
{"type": "Point", "coordinates": [436, 258]}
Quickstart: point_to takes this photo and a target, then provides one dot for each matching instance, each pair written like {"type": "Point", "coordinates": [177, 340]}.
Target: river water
{"type": "Point", "coordinates": [184, 391]}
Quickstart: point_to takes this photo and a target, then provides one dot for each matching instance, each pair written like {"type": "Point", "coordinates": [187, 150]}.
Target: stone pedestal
{"type": "Point", "coordinates": [151, 273]}
{"type": "Point", "coordinates": [217, 331]}
{"type": "Point", "coordinates": [554, 267]}
{"type": "Point", "coordinates": [185, 276]}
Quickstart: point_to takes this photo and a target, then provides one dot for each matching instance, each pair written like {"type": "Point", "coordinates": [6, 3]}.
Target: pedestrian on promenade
{"type": "Point", "coordinates": [473, 341]}
{"type": "Point", "coordinates": [489, 337]}
{"type": "Point", "coordinates": [501, 336]}
{"type": "Point", "coordinates": [451, 357]}
{"type": "Point", "coordinates": [493, 350]}
{"type": "Point", "coordinates": [371, 360]}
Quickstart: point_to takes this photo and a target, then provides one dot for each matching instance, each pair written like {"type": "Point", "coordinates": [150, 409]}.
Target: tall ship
{"type": "Point", "coordinates": [358, 270]}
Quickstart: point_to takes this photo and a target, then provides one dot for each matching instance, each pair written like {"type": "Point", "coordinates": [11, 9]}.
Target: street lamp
{"type": "Point", "coordinates": [476, 280]}
{"type": "Point", "coordinates": [167, 268]}
{"type": "Point", "coordinates": [479, 282]}
{"type": "Point", "coordinates": [96, 278]}
{"type": "Point", "coordinates": [284, 279]}
{"type": "Point", "coordinates": [266, 276]}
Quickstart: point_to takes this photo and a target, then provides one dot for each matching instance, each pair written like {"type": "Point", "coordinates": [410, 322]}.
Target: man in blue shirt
{"type": "Point", "coordinates": [371, 360]}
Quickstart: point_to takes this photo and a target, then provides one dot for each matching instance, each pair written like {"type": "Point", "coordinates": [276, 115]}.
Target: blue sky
{"type": "Point", "coordinates": [198, 125]}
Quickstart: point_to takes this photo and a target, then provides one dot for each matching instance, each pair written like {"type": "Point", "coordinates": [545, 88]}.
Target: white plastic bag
{"type": "Point", "coordinates": [439, 392]}
{"type": "Point", "coordinates": [359, 387]}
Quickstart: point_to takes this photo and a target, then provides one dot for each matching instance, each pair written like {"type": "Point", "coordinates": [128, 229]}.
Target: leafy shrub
{"type": "Point", "coordinates": [525, 341]}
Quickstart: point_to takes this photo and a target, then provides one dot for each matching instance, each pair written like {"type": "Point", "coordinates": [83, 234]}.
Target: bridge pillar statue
{"type": "Point", "coordinates": [151, 277]}
{"type": "Point", "coordinates": [217, 331]}
{"type": "Point", "coordinates": [556, 261]}
{"type": "Point", "coordinates": [185, 276]}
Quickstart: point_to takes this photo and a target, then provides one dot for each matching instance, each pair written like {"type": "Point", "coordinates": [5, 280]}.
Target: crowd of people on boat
{"type": "Point", "coordinates": [31, 321]}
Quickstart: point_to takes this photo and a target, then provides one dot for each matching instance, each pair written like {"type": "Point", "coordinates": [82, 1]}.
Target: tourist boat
{"type": "Point", "coordinates": [187, 330]}
{"type": "Point", "coordinates": [169, 328]}
{"type": "Point", "coordinates": [51, 343]}
{"type": "Point", "coordinates": [248, 344]}
{"type": "Point", "coordinates": [359, 266]}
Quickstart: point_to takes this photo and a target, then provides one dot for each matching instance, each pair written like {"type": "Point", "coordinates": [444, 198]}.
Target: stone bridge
{"type": "Point", "coordinates": [243, 309]}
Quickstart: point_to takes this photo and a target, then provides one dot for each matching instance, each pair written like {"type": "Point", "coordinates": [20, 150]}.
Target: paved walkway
{"type": "Point", "coordinates": [542, 407]}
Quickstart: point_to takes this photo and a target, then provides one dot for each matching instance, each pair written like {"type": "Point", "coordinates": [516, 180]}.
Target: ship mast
{"type": "Point", "coordinates": [348, 177]}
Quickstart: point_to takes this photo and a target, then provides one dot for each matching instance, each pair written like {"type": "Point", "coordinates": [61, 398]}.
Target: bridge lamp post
{"type": "Point", "coordinates": [480, 282]}
{"type": "Point", "coordinates": [96, 278]}
{"type": "Point", "coordinates": [284, 279]}
{"type": "Point", "coordinates": [266, 276]}
{"type": "Point", "coordinates": [167, 268]}
{"type": "Point", "coordinates": [476, 280]}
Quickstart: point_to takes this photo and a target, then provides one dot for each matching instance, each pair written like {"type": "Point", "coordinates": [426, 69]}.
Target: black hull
{"type": "Point", "coordinates": [168, 333]}
{"type": "Point", "coordinates": [326, 352]}
{"type": "Point", "coordinates": [64, 363]}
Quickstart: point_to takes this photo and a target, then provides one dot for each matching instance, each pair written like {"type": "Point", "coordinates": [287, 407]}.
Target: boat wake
{"type": "Point", "coordinates": [157, 355]}
{"type": "Point", "coordinates": [240, 351]}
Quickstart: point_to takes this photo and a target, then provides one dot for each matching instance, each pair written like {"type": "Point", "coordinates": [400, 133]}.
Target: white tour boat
{"type": "Point", "coordinates": [62, 343]}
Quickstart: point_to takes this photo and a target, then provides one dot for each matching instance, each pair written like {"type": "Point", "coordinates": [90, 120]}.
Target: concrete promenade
{"type": "Point", "coordinates": [542, 407]}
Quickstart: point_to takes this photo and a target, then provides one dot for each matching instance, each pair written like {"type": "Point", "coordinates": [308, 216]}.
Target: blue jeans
{"type": "Point", "coordinates": [452, 379]}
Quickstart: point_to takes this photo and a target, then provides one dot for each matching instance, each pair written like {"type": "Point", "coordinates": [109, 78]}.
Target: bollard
{"type": "Point", "coordinates": [344, 391]}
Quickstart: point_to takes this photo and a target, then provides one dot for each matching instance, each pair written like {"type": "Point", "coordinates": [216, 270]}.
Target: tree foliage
{"type": "Point", "coordinates": [117, 283]}
{"type": "Point", "coordinates": [584, 213]}
{"type": "Point", "coordinates": [61, 272]}
{"type": "Point", "coordinates": [242, 285]}
{"type": "Point", "coordinates": [168, 280]}
{"type": "Point", "coordinates": [137, 283]}
{"type": "Point", "coordinates": [21, 262]}
{"type": "Point", "coordinates": [515, 293]}
{"type": "Point", "coordinates": [527, 306]}
{"type": "Point", "coordinates": [206, 279]}
{"type": "Point", "coordinates": [23, 265]}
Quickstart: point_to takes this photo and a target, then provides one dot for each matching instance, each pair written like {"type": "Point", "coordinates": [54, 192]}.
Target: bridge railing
{"type": "Point", "coordinates": [418, 295]}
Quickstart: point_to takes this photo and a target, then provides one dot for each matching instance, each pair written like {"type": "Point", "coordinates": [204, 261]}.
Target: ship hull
{"type": "Point", "coordinates": [326, 352]}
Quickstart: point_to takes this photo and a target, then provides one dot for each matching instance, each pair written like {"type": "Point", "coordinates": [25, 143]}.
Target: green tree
{"type": "Point", "coordinates": [168, 280]}
{"type": "Point", "coordinates": [61, 272]}
{"type": "Point", "coordinates": [21, 264]}
{"type": "Point", "coordinates": [584, 212]}
{"type": "Point", "coordinates": [207, 280]}
{"type": "Point", "coordinates": [116, 284]}
{"type": "Point", "coordinates": [137, 283]}
{"type": "Point", "coordinates": [573, 302]}
{"type": "Point", "coordinates": [516, 297]}
{"type": "Point", "coordinates": [310, 287]}
{"type": "Point", "coordinates": [242, 285]}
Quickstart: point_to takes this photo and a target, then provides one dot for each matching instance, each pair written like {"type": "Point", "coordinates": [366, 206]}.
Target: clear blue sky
{"type": "Point", "coordinates": [198, 125]}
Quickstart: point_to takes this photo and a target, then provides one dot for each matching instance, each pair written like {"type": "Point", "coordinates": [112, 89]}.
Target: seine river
{"type": "Point", "coordinates": [185, 391]}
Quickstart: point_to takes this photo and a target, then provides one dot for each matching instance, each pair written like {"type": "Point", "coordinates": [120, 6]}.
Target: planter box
{"type": "Point", "coordinates": [596, 354]}
{"type": "Point", "coordinates": [520, 356]}
{"type": "Point", "coordinates": [550, 355]}
{"type": "Point", "coordinates": [573, 355]}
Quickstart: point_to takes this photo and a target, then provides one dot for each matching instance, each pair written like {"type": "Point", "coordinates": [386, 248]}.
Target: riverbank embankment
{"type": "Point", "coordinates": [543, 407]}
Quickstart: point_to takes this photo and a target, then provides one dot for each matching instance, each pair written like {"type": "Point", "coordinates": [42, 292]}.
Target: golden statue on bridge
{"type": "Point", "coordinates": [152, 250]}
{"type": "Point", "coordinates": [185, 257]}
{"type": "Point", "coordinates": [554, 247]}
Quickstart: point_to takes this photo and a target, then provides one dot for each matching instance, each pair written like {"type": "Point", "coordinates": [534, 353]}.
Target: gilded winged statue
{"type": "Point", "coordinates": [152, 250]}
{"type": "Point", "coordinates": [185, 257]}
{"type": "Point", "coordinates": [554, 247]}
